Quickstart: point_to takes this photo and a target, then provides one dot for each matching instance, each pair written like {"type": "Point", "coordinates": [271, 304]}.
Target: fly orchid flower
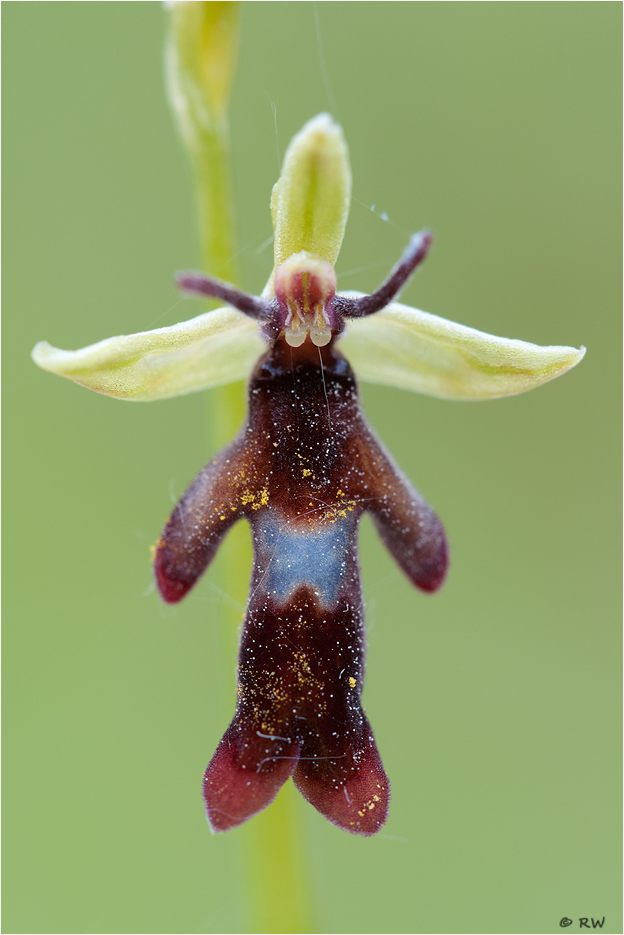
{"type": "Point", "coordinates": [302, 471]}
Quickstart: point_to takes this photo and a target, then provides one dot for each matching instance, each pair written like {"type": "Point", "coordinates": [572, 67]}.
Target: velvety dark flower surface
{"type": "Point", "coordinates": [302, 471]}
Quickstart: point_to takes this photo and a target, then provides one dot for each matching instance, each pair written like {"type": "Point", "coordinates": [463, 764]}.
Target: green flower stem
{"type": "Point", "coordinates": [216, 209]}
{"type": "Point", "coordinates": [201, 60]}
{"type": "Point", "coordinates": [200, 69]}
{"type": "Point", "coordinates": [279, 891]}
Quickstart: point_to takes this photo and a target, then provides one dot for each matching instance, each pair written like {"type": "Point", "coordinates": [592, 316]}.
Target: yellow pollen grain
{"type": "Point", "coordinates": [306, 472]}
{"type": "Point", "coordinates": [255, 499]}
{"type": "Point", "coordinates": [222, 517]}
{"type": "Point", "coordinates": [352, 681]}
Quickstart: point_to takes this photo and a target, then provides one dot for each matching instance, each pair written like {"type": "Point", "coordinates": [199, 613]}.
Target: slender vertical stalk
{"type": "Point", "coordinates": [201, 57]}
{"type": "Point", "coordinates": [280, 896]}
{"type": "Point", "coordinates": [201, 62]}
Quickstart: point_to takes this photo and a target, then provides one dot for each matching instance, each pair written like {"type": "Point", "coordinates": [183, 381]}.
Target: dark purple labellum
{"type": "Point", "coordinates": [303, 470]}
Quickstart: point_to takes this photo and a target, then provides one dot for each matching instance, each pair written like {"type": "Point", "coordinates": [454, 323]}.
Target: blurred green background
{"type": "Point", "coordinates": [495, 702]}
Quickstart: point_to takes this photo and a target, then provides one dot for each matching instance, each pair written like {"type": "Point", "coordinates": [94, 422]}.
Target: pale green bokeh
{"type": "Point", "coordinates": [495, 703]}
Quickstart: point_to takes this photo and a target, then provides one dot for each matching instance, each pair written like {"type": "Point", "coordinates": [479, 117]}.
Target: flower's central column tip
{"type": "Point", "coordinates": [305, 286]}
{"type": "Point", "coordinates": [322, 124]}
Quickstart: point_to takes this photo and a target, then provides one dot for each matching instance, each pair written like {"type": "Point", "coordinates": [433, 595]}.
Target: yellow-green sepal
{"type": "Point", "coordinates": [413, 350]}
{"type": "Point", "coordinates": [215, 348]}
{"type": "Point", "coordinates": [310, 201]}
